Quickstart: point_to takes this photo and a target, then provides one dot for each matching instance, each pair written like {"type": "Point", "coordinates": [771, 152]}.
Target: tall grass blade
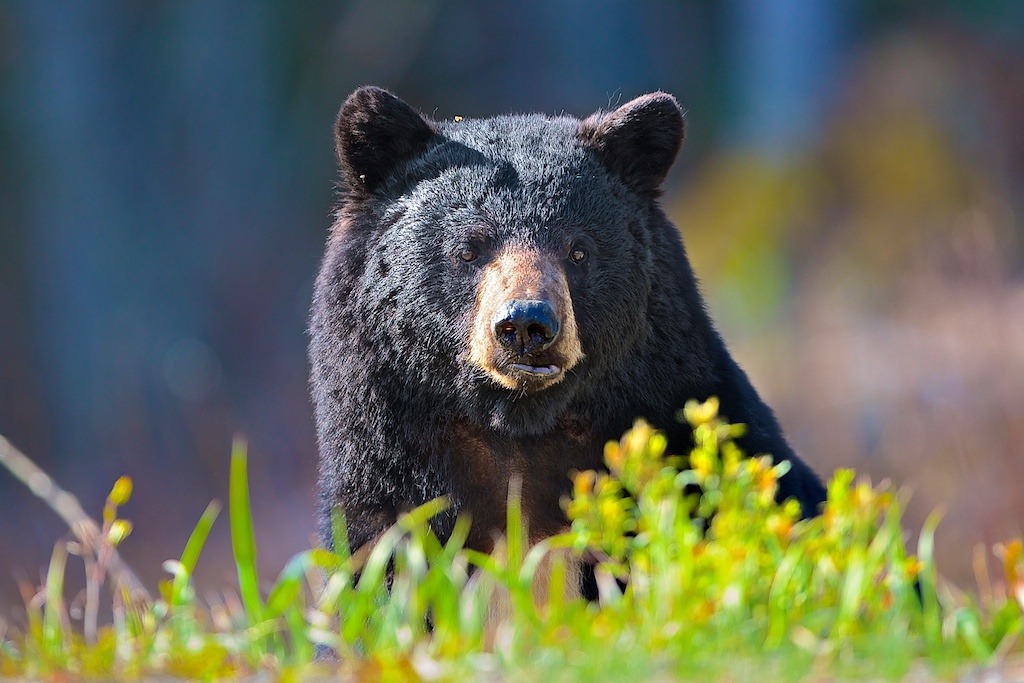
{"type": "Point", "coordinates": [243, 538]}
{"type": "Point", "coordinates": [928, 582]}
{"type": "Point", "coordinates": [53, 611]}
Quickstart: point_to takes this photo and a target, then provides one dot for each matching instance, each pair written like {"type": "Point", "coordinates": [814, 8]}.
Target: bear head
{"type": "Point", "coordinates": [500, 267]}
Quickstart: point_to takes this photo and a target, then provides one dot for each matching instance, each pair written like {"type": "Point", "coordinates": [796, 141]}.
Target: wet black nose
{"type": "Point", "coordinates": [526, 326]}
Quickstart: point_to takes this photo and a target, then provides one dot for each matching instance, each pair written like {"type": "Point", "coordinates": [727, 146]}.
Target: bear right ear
{"type": "Point", "coordinates": [638, 141]}
{"type": "Point", "coordinates": [375, 132]}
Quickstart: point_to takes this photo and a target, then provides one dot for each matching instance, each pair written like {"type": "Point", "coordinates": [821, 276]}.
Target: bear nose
{"type": "Point", "coordinates": [526, 326]}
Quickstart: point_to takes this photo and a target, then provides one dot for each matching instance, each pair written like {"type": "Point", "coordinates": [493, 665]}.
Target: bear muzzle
{"type": "Point", "coordinates": [524, 329]}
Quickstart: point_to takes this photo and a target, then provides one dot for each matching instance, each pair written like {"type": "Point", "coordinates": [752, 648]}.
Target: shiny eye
{"type": "Point", "coordinates": [468, 254]}
{"type": "Point", "coordinates": [578, 255]}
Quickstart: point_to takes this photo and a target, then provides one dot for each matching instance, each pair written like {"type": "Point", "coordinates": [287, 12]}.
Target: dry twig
{"type": "Point", "coordinates": [67, 507]}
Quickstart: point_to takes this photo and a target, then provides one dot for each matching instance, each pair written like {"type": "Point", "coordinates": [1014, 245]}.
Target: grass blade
{"type": "Point", "coordinates": [53, 611]}
{"type": "Point", "coordinates": [243, 538]}
{"type": "Point", "coordinates": [197, 539]}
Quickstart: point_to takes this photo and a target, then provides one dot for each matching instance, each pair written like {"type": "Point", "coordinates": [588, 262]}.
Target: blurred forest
{"type": "Point", "coordinates": [851, 193]}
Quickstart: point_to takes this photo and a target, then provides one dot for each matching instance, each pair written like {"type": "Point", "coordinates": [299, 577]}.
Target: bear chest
{"type": "Point", "coordinates": [483, 465]}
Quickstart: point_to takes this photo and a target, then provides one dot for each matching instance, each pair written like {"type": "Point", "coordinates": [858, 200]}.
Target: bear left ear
{"type": "Point", "coordinates": [639, 140]}
{"type": "Point", "coordinates": [374, 133]}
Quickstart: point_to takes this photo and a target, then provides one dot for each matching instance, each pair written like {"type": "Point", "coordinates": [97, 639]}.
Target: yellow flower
{"type": "Point", "coordinates": [913, 567]}
{"type": "Point", "coordinates": [779, 526]}
{"type": "Point", "coordinates": [1012, 553]}
{"type": "Point", "coordinates": [657, 445]}
{"type": "Point", "coordinates": [704, 611]}
{"type": "Point", "coordinates": [610, 511]}
{"type": "Point", "coordinates": [731, 459]}
{"type": "Point", "coordinates": [119, 531]}
{"type": "Point", "coordinates": [700, 463]}
{"type": "Point", "coordinates": [767, 482]}
{"type": "Point", "coordinates": [636, 439]}
{"type": "Point", "coordinates": [583, 483]}
{"type": "Point", "coordinates": [701, 413]}
{"type": "Point", "coordinates": [614, 456]}
{"type": "Point", "coordinates": [863, 496]}
{"type": "Point", "coordinates": [121, 491]}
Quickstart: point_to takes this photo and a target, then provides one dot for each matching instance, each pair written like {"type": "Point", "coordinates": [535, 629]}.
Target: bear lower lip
{"type": "Point", "coordinates": [537, 370]}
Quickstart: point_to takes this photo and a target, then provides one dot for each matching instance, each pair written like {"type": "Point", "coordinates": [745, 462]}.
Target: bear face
{"type": "Point", "coordinates": [498, 298]}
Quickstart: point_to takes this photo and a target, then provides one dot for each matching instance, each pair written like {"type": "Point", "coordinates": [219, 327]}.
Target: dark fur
{"type": "Point", "coordinates": [402, 418]}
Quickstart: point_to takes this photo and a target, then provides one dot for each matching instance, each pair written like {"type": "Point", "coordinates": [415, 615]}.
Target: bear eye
{"type": "Point", "coordinates": [578, 255]}
{"type": "Point", "coordinates": [467, 254]}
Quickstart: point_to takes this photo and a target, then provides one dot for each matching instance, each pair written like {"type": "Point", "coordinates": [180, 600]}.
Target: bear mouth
{"type": "Point", "coordinates": [537, 371]}
{"type": "Point", "coordinates": [526, 374]}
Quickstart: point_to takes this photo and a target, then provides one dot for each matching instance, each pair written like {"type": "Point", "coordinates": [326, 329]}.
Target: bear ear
{"type": "Point", "coordinates": [375, 132]}
{"type": "Point", "coordinates": [639, 140]}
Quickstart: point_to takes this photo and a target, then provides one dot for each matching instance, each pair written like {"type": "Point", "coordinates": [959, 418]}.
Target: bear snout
{"type": "Point", "coordinates": [523, 332]}
{"type": "Point", "coordinates": [526, 327]}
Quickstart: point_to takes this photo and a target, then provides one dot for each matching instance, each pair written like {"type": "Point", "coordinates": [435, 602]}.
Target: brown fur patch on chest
{"type": "Point", "coordinates": [484, 463]}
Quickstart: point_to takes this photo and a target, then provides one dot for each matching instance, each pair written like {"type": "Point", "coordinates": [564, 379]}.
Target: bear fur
{"type": "Point", "coordinates": [499, 298]}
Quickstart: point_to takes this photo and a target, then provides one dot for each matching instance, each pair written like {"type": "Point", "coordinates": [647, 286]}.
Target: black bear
{"type": "Point", "coordinates": [499, 298]}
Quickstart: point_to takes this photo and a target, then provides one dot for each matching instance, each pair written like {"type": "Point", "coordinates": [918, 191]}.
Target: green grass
{"type": "Point", "coordinates": [721, 585]}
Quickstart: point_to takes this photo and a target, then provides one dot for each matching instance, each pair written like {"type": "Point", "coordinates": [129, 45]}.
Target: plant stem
{"type": "Point", "coordinates": [70, 510]}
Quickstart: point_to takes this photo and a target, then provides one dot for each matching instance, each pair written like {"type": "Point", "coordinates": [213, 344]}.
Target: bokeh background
{"type": "Point", "coordinates": [851, 192]}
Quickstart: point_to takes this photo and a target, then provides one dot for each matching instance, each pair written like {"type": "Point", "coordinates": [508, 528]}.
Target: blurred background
{"type": "Point", "coordinates": [851, 192]}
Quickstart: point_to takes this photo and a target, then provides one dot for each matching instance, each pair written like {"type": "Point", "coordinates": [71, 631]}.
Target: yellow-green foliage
{"type": "Point", "coordinates": [700, 573]}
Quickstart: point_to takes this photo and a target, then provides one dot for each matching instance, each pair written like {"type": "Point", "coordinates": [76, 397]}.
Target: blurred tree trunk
{"type": "Point", "coordinates": [788, 56]}
{"type": "Point", "coordinates": [156, 189]}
